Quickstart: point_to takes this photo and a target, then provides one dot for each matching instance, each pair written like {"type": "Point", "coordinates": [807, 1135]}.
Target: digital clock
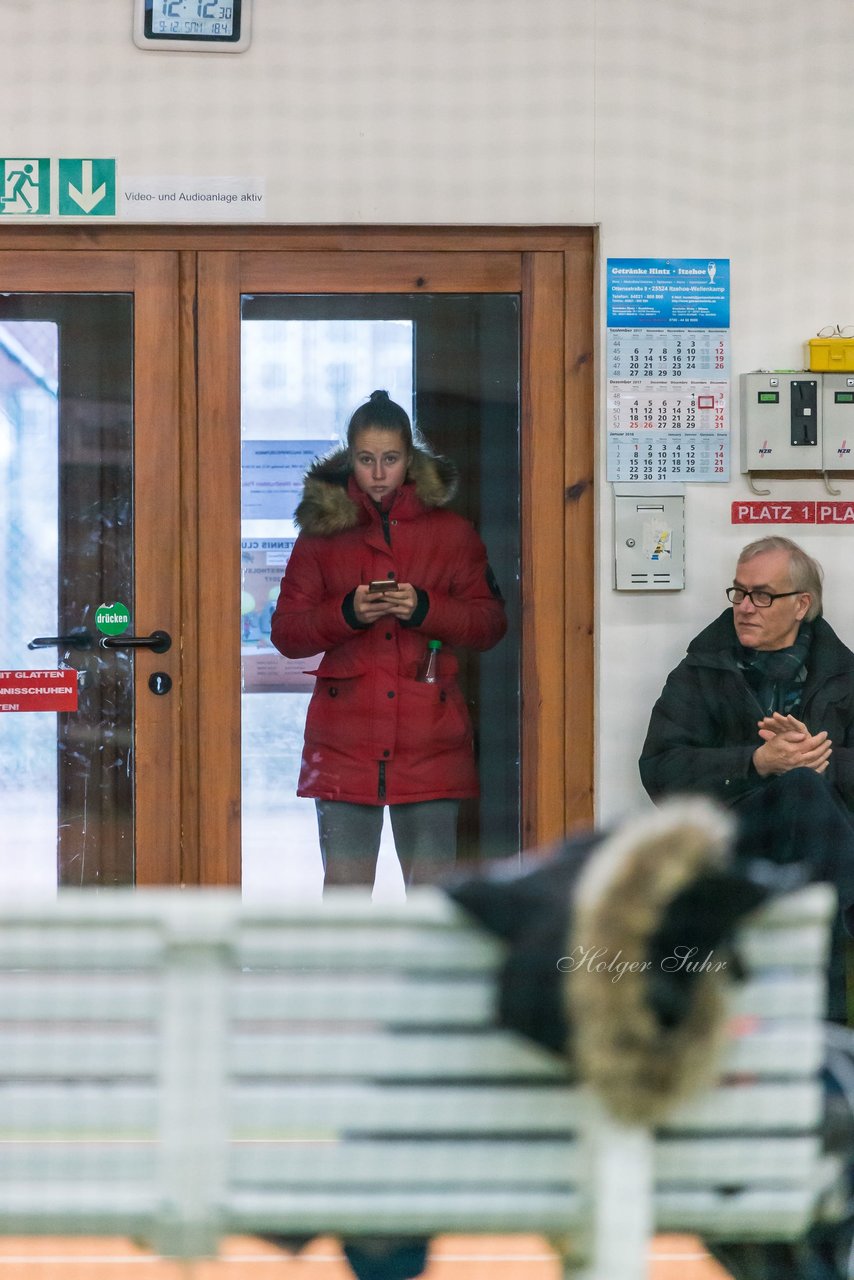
{"type": "Point", "coordinates": [215, 26]}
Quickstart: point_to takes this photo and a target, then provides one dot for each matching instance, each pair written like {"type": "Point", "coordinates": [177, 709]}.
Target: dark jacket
{"type": "Point", "coordinates": [703, 728]}
{"type": "Point", "coordinates": [374, 734]}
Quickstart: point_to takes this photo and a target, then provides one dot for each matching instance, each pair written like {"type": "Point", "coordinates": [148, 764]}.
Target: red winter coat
{"type": "Point", "coordinates": [373, 733]}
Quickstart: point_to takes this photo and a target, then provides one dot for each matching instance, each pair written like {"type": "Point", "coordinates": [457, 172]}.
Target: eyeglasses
{"type": "Point", "coordinates": [834, 331]}
{"type": "Point", "coordinates": [759, 599]}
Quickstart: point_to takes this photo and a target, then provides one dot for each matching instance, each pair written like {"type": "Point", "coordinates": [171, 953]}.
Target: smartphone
{"type": "Point", "coordinates": [381, 585]}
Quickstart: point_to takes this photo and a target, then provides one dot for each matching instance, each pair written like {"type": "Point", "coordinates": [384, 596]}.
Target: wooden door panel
{"type": "Point", "coordinates": [158, 537]}
{"type": "Point", "coordinates": [219, 568]}
{"type": "Point", "coordinates": [77, 272]}
{"type": "Point", "coordinates": [153, 497]}
{"type": "Point", "coordinates": [381, 272]}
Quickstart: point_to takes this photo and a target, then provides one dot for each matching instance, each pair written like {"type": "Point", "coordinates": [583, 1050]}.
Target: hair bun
{"type": "Point", "coordinates": [380, 413]}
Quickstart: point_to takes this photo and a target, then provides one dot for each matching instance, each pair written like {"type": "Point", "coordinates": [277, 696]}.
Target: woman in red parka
{"type": "Point", "coordinates": [375, 735]}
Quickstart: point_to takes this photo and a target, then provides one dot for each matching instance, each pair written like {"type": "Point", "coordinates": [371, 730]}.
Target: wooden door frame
{"type": "Point", "coordinates": [553, 268]}
{"type": "Point", "coordinates": [152, 278]}
{"type": "Point", "coordinates": [555, 282]}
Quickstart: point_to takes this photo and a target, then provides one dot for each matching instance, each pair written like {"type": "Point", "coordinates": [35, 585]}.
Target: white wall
{"type": "Point", "coordinates": [682, 128]}
{"type": "Point", "coordinates": [353, 110]}
{"type": "Point", "coordinates": [722, 130]}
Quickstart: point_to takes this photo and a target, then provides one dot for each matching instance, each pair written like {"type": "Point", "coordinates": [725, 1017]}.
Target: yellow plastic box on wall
{"type": "Point", "coordinates": [831, 355]}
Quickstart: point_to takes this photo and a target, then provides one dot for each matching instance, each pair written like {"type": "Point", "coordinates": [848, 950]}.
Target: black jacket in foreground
{"type": "Point", "coordinates": [703, 728]}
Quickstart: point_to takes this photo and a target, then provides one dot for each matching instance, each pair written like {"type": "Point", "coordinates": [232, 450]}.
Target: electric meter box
{"type": "Point", "coordinates": [831, 355]}
{"type": "Point", "coordinates": [781, 421]}
{"type": "Point", "coordinates": [837, 421]}
{"type": "Point", "coordinates": [649, 537]}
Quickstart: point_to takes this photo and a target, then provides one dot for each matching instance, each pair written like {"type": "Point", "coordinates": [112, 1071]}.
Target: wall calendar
{"type": "Point", "coordinates": [668, 369]}
{"type": "Point", "coordinates": [677, 433]}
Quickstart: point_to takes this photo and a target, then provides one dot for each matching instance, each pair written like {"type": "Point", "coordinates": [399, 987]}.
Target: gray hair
{"type": "Point", "coordinates": [805, 573]}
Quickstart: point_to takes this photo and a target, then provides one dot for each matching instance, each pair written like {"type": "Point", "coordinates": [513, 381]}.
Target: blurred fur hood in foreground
{"type": "Point", "coordinates": [619, 950]}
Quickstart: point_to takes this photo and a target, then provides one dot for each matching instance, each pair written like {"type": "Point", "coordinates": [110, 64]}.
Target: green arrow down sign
{"type": "Point", "coordinates": [87, 187]}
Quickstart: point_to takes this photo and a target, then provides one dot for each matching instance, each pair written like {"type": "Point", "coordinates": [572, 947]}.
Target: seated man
{"type": "Point", "coordinates": [760, 715]}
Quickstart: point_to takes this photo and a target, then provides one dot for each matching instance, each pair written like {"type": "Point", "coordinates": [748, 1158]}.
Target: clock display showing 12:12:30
{"type": "Point", "coordinates": [192, 18]}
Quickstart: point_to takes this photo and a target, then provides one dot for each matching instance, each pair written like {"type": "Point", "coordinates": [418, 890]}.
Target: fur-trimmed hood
{"type": "Point", "coordinates": [327, 506]}
{"type": "Point", "coordinates": [647, 1034]}
{"type": "Point", "coordinates": [596, 936]}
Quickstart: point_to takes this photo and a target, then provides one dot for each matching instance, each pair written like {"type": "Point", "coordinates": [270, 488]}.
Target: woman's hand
{"type": "Point", "coordinates": [370, 606]}
{"type": "Point", "coordinates": [403, 601]}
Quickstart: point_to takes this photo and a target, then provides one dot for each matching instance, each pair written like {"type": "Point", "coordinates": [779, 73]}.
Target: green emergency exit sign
{"type": "Point", "coordinates": [79, 187]}
{"type": "Point", "coordinates": [24, 185]}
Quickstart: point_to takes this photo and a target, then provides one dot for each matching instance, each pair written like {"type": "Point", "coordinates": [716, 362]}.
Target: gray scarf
{"type": "Point", "coordinates": [777, 676]}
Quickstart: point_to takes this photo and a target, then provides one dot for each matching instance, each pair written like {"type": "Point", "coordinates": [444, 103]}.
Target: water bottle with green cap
{"type": "Point", "coordinates": [429, 670]}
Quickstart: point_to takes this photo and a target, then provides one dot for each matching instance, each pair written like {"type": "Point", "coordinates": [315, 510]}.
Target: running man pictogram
{"type": "Point", "coordinates": [25, 186]}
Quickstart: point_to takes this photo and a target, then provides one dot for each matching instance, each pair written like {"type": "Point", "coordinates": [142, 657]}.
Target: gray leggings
{"type": "Point", "coordinates": [425, 837]}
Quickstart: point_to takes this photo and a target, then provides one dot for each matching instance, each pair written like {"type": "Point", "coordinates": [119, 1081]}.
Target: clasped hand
{"type": "Point", "coordinates": [788, 744]}
{"type": "Point", "coordinates": [370, 606]}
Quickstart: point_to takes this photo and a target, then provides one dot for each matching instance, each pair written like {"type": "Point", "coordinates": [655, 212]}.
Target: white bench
{"type": "Point", "coordinates": [175, 1066]}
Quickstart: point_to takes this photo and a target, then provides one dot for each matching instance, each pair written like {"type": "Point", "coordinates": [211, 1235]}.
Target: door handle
{"type": "Point", "coordinates": [77, 638]}
{"type": "Point", "coordinates": [158, 641]}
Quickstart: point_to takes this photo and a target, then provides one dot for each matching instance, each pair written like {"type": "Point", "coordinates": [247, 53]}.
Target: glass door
{"type": "Point", "coordinates": [452, 361]}
{"type": "Point", "coordinates": [89, 547]}
{"type": "Point", "coordinates": [479, 347]}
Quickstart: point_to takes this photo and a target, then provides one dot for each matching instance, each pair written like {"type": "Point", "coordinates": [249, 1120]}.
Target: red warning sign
{"type": "Point", "coordinates": [38, 690]}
